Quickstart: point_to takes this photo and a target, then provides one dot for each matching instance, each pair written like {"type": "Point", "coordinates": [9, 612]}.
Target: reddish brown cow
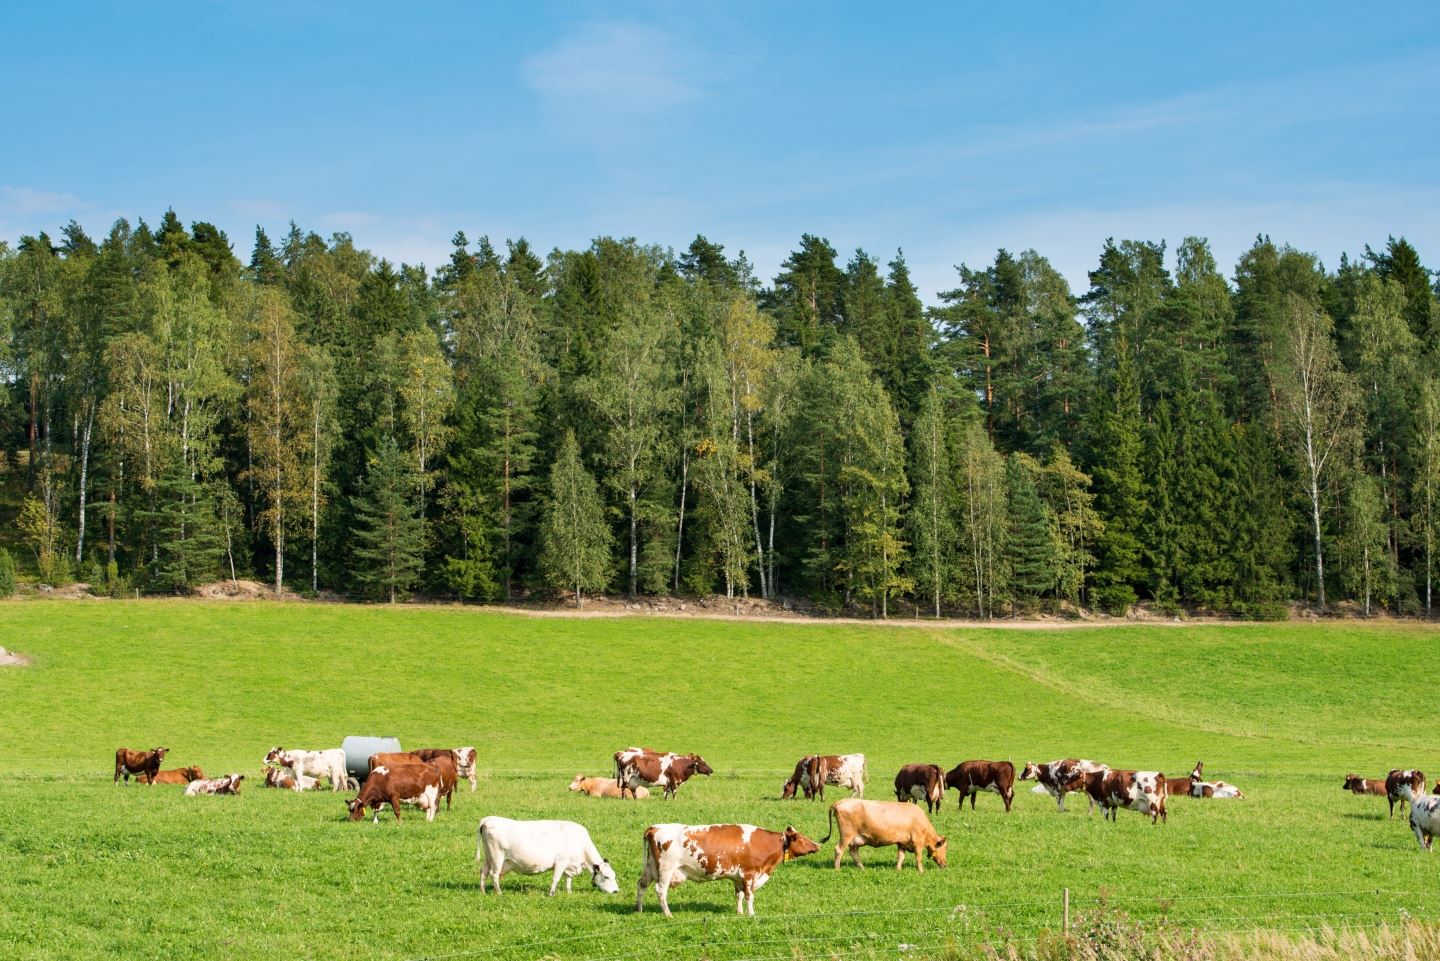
{"type": "Point", "coordinates": [1403, 784]}
{"type": "Point", "coordinates": [1356, 784]}
{"type": "Point", "coordinates": [1142, 791]}
{"type": "Point", "coordinates": [811, 774]}
{"type": "Point", "coordinates": [972, 777]}
{"type": "Point", "coordinates": [917, 782]}
{"type": "Point", "coordinates": [128, 762]}
{"type": "Point", "coordinates": [417, 783]}
{"type": "Point", "coordinates": [464, 758]}
{"type": "Point", "coordinates": [179, 775]}
{"type": "Point", "coordinates": [1177, 786]}
{"type": "Point", "coordinates": [443, 761]}
{"type": "Point", "coordinates": [636, 764]}
{"type": "Point", "coordinates": [747, 855]}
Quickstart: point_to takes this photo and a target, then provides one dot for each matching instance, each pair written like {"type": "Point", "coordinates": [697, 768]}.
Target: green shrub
{"type": "Point", "coordinates": [1114, 599]}
{"type": "Point", "coordinates": [7, 573]}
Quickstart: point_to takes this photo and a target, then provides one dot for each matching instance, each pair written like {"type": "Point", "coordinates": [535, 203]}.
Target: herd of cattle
{"type": "Point", "coordinates": [744, 854]}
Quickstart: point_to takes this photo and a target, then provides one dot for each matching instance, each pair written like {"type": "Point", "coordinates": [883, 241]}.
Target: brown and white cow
{"type": "Point", "coordinates": [443, 761]}
{"type": "Point", "coordinates": [128, 762]}
{"type": "Point", "coordinates": [1142, 791]}
{"type": "Point", "coordinates": [329, 763]}
{"type": "Point", "coordinates": [921, 782]}
{"type": "Point", "coordinates": [814, 771]}
{"type": "Point", "coordinates": [635, 765]}
{"type": "Point", "coordinates": [879, 824]}
{"type": "Point", "coordinates": [1180, 786]}
{"type": "Point", "coordinates": [279, 777]}
{"type": "Point", "coordinates": [972, 777]}
{"type": "Point", "coordinates": [1403, 784]}
{"type": "Point", "coordinates": [417, 784]}
{"type": "Point", "coordinates": [747, 855]}
{"type": "Point", "coordinates": [1356, 784]}
{"type": "Point", "coordinates": [229, 784]}
{"type": "Point", "coordinates": [464, 760]}
{"type": "Point", "coordinates": [603, 787]}
{"type": "Point", "coordinates": [1059, 778]}
{"type": "Point", "coordinates": [179, 775]}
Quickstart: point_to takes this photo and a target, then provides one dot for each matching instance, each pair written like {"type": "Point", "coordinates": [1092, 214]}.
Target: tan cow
{"type": "Point", "coordinates": [879, 824]}
{"type": "Point", "coordinates": [179, 775]}
{"type": "Point", "coordinates": [603, 787]}
{"type": "Point", "coordinates": [747, 855]}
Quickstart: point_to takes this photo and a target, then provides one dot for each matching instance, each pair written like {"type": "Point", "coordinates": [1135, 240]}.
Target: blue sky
{"type": "Point", "coordinates": [946, 129]}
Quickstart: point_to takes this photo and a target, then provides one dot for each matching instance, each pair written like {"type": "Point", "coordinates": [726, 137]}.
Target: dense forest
{"type": "Point", "coordinates": [624, 418]}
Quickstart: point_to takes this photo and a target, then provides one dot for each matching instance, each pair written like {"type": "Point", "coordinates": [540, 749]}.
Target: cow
{"type": "Point", "coordinates": [1142, 791]}
{"type": "Point", "coordinates": [1178, 786]}
{"type": "Point", "coordinates": [603, 787]}
{"type": "Point", "coordinates": [921, 782]}
{"type": "Point", "coordinates": [972, 777]}
{"type": "Point", "coordinates": [1403, 784]}
{"type": "Point", "coordinates": [533, 847]}
{"type": "Point", "coordinates": [1059, 778]}
{"type": "Point", "coordinates": [814, 771]}
{"type": "Point", "coordinates": [417, 784]}
{"type": "Point", "coordinates": [128, 762]}
{"type": "Point", "coordinates": [329, 763]}
{"type": "Point", "coordinates": [1215, 789]}
{"type": "Point", "coordinates": [1425, 818]}
{"type": "Point", "coordinates": [179, 775]}
{"type": "Point", "coordinates": [1356, 784]}
{"type": "Point", "coordinates": [879, 824]}
{"type": "Point", "coordinates": [464, 760]}
{"type": "Point", "coordinates": [229, 784]}
{"type": "Point", "coordinates": [747, 855]}
{"type": "Point", "coordinates": [636, 764]}
{"type": "Point", "coordinates": [279, 777]}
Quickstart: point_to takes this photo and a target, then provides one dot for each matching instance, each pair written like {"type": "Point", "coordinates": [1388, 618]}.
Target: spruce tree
{"type": "Point", "coordinates": [188, 540]}
{"type": "Point", "coordinates": [388, 533]}
{"type": "Point", "coordinates": [1116, 449]}
{"type": "Point", "coordinates": [575, 541]}
{"type": "Point", "coordinates": [1031, 538]}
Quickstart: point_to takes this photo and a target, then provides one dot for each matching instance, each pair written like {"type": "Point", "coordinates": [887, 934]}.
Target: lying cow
{"type": "Point", "coordinates": [329, 763]}
{"type": "Point", "coordinates": [814, 771]}
{"type": "Point", "coordinates": [635, 765]}
{"type": "Point", "coordinates": [1180, 786]}
{"type": "Point", "coordinates": [282, 778]}
{"type": "Point", "coordinates": [417, 784]}
{"type": "Point", "coordinates": [1059, 778]}
{"type": "Point", "coordinates": [1403, 784]}
{"type": "Point", "coordinates": [921, 782]}
{"type": "Point", "coordinates": [747, 855]}
{"type": "Point", "coordinates": [603, 787]}
{"type": "Point", "coordinates": [533, 847]}
{"type": "Point", "coordinates": [178, 775]}
{"type": "Point", "coordinates": [229, 784]}
{"type": "Point", "coordinates": [972, 777]}
{"type": "Point", "coordinates": [464, 760]}
{"type": "Point", "coordinates": [1142, 791]}
{"type": "Point", "coordinates": [1356, 784]}
{"type": "Point", "coordinates": [128, 762]}
{"type": "Point", "coordinates": [879, 824]}
{"type": "Point", "coordinates": [1425, 818]}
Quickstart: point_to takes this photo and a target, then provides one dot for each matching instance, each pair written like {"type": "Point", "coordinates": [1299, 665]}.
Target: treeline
{"type": "Point", "coordinates": [624, 418]}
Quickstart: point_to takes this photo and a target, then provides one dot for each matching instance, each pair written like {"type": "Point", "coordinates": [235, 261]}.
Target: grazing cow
{"type": "Point", "coordinates": [636, 764]}
{"type": "Point", "coordinates": [229, 784]}
{"type": "Point", "coordinates": [1142, 791]}
{"type": "Point", "coordinates": [534, 847]}
{"type": "Point", "coordinates": [464, 760]}
{"type": "Point", "coordinates": [972, 777]}
{"type": "Point", "coordinates": [329, 763]}
{"type": "Point", "coordinates": [1403, 784]}
{"type": "Point", "coordinates": [179, 775]}
{"type": "Point", "coordinates": [814, 771]}
{"type": "Point", "coordinates": [921, 782]}
{"type": "Point", "coordinates": [1356, 784]}
{"type": "Point", "coordinates": [879, 824]}
{"type": "Point", "coordinates": [279, 777]}
{"type": "Point", "coordinates": [747, 855]}
{"type": "Point", "coordinates": [417, 784]}
{"type": "Point", "coordinates": [603, 787]}
{"type": "Point", "coordinates": [128, 762]}
{"type": "Point", "coordinates": [1059, 778]}
{"type": "Point", "coordinates": [1425, 818]}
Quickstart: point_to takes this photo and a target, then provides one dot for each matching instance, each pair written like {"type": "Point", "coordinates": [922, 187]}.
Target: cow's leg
{"type": "Point", "coordinates": [1060, 800]}
{"type": "Point", "coordinates": [555, 879]}
{"type": "Point", "coordinates": [661, 892]}
{"type": "Point", "coordinates": [739, 897]}
{"type": "Point", "coordinates": [839, 853]}
{"type": "Point", "coordinates": [640, 887]}
{"type": "Point", "coordinates": [472, 784]}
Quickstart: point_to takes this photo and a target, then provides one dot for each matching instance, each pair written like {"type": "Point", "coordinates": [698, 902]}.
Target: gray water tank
{"type": "Point", "coordinates": [358, 749]}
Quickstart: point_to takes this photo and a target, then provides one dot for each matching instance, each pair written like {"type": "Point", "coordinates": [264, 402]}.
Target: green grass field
{"type": "Point", "coordinates": [91, 870]}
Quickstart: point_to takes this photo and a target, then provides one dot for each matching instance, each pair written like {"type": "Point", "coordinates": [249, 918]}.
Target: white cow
{"type": "Point", "coordinates": [1214, 789]}
{"type": "Point", "coordinates": [850, 774]}
{"type": "Point", "coordinates": [330, 763]}
{"type": "Point", "coordinates": [534, 847]}
{"type": "Point", "coordinates": [1425, 818]}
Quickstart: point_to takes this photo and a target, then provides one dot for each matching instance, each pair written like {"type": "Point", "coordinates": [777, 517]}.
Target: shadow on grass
{"type": "Point", "coordinates": [679, 910]}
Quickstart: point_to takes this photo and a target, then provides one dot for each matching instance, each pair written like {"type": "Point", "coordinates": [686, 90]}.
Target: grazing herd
{"type": "Point", "coordinates": [744, 854]}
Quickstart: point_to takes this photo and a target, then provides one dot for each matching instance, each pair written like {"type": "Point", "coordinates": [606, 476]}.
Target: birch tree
{"type": "Point", "coordinates": [931, 516]}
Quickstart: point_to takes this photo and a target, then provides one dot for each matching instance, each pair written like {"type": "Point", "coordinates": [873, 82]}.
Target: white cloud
{"type": "Point", "coordinates": [24, 202]}
{"type": "Point", "coordinates": [347, 219]}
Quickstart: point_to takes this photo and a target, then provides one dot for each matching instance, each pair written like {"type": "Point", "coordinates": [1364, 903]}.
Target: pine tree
{"type": "Point", "coordinates": [388, 534]}
{"type": "Point", "coordinates": [575, 541]}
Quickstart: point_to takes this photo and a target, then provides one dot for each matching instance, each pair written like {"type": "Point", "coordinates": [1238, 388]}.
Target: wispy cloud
{"type": "Point", "coordinates": [260, 210]}
{"type": "Point", "coordinates": [25, 202]}
{"type": "Point", "coordinates": [347, 219]}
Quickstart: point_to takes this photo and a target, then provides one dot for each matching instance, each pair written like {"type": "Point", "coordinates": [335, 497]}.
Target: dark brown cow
{"type": "Point", "coordinates": [443, 760]}
{"type": "Point", "coordinates": [747, 855]}
{"type": "Point", "coordinates": [464, 760]}
{"type": "Point", "coordinates": [916, 782]}
{"type": "Point", "coordinates": [128, 762]}
{"type": "Point", "coordinates": [417, 784]}
{"type": "Point", "coordinates": [636, 764]}
{"type": "Point", "coordinates": [1403, 784]}
{"type": "Point", "coordinates": [1178, 786]}
{"type": "Point", "coordinates": [179, 775]}
{"type": "Point", "coordinates": [1356, 784]}
{"type": "Point", "coordinates": [811, 774]}
{"type": "Point", "coordinates": [972, 777]}
{"type": "Point", "coordinates": [1142, 791]}
{"type": "Point", "coordinates": [1059, 778]}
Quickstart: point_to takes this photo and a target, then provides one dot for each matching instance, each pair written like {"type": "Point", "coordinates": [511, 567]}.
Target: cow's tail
{"type": "Point", "coordinates": [480, 841]}
{"type": "Point", "coordinates": [829, 824]}
{"type": "Point", "coordinates": [651, 855]}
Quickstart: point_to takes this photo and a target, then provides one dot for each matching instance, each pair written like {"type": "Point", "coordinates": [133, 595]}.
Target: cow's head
{"type": "Point", "coordinates": [465, 759]}
{"type": "Point", "coordinates": [700, 766]}
{"type": "Point", "coordinates": [797, 845]}
{"type": "Point", "coordinates": [575, 784]}
{"type": "Point", "coordinates": [788, 791]}
{"type": "Point", "coordinates": [356, 808]}
{"type": "Point", "coordinates": [1031, 772]}
{"type": "Point", "coordinates": [602, 876]}
{"type": "Point", "coordinates": [1199, 773]}
{"type": "Point", "coordinates": [936, 850]}
{"type": "Point", "coordinates": [192, 773]}
{"type": "Point", "coordinates": [1352, 782]}
{"type": "Point", "coordinates": [274, 755]}
{"type": "Point", "coordinates": [235, 780]}
{"type": "Point", "coordinates": [160, 753]}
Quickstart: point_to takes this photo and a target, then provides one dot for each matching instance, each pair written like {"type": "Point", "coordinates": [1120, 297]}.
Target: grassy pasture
{"type": "Point", "coordinates": [90, 870]}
